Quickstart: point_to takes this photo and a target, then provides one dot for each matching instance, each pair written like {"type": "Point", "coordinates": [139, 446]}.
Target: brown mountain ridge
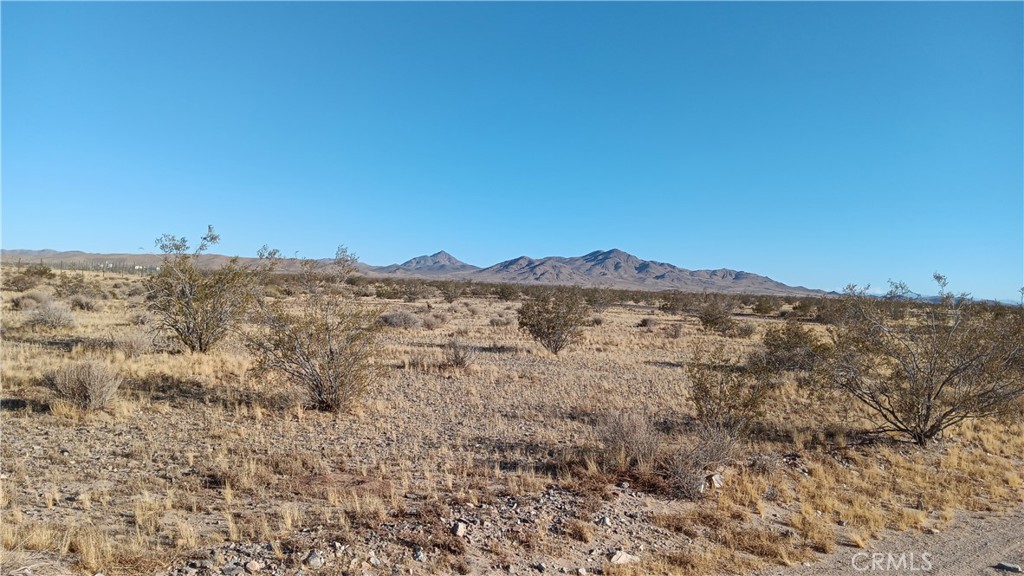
{"type": "Point", "coordinates": [608, 268]}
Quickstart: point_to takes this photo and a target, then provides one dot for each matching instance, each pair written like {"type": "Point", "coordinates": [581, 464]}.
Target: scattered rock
{"type": "Point", "coordinates": [459, 529]}
{"type": "Point", "coordinates": [231, 570]}
{"type": "Point", "coordinates": [1007, 567]}
{"type": "Point", "coordinates": [418, 554]}
{"type": "Point", "coordinates": [604, 521]}
{"type": "Point", "coordinates": [623, 557]}
{"type": "Point", "coordinates": [314, 560]}
{"type": "Point", "coordinates": [252, 566]}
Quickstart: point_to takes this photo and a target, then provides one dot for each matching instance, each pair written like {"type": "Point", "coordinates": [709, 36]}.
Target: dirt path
{"type": "Point", "coordinates": [971, 546]}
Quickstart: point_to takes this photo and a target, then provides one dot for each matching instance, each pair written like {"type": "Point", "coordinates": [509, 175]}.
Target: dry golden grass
{"type": "Point", "coordinates": [194, 452]}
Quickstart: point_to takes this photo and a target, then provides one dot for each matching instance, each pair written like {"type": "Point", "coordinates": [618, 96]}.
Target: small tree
{"type": "Point", "coordinates": [323, 342]}
{"type": "Point", "coordinates": [555, 316]}
{"type": "Point", "coordinates": [200, 307]}
{"type": "Point", "coordinates": [923, 368]}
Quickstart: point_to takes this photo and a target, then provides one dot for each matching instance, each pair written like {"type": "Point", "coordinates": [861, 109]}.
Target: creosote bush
{"type": "Point", "coordinates": [792, 347]}
{"type": "Point", "coordinates": [200, 307]}
{"type": "Point", "coordinates": [324, 343]}
{"type": "Point", "coordinates": [921, 368]}
{"type": "Point", "coordinates": [715, 314]}
{"type": "Point", "coordinates": [726, 393]}
{"type": "Point", "coordinates": [88, 384]}
{"type": "Point", "coordinates": [555, 316]}
{"type": "Point", "coordinates": [28, 277]}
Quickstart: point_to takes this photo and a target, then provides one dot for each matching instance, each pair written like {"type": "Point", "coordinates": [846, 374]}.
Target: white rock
{"type": "Point", "coordinates": [622, 557]}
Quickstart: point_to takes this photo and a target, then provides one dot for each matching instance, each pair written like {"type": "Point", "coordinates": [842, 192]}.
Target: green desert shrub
{"type": "Point", "coordinates": [554, 316]}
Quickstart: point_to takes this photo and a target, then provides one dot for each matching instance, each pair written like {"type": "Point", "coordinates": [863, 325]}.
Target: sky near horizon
{"type": "Point", "coordinates": [819, 144]}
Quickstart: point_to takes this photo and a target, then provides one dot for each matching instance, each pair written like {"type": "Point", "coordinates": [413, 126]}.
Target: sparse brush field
{"type": "Point", "coordinates": [475, 451]}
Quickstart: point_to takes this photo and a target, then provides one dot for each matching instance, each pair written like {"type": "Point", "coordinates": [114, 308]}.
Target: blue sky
{"type": "Point", "coordinates": [816, 143]}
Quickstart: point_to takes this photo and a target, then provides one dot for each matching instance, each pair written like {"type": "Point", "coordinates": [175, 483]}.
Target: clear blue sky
{"type": "Point", "coordinates": [816, 143]}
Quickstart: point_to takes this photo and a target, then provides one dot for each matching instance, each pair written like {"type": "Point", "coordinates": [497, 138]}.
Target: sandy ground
{"type": "Point", "coordinates": [972, 546]}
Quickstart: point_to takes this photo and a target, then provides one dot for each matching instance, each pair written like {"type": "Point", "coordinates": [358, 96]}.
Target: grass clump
{"type": "Point", "coordinates": [88, 384]}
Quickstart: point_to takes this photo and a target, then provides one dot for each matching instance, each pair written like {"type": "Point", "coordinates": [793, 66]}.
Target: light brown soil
{"type": "Point", "coordinates": [972, 546]}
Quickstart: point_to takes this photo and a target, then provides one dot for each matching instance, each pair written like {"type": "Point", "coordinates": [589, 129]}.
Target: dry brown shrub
{"type": "Point", "coordinates": [630, 440]}
{"type": "Point", "coordinates": [88, 384]}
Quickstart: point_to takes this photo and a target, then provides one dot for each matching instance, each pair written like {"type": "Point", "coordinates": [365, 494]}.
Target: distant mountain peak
{"type": "Point", "coordinates": [438, 263]}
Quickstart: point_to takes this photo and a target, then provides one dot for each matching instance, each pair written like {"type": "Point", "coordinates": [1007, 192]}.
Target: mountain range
{"type": "Point", "coordinates": [607, 268]}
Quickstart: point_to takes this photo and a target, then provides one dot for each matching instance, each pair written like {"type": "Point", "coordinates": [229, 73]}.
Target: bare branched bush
{"type": "Point", "coordinates": [88, 384]}
{"type": "Point", "coordinates": [51, 316]}
{"type": "Point", "coordinates": [200, 307]}
{"type": "Point", "coordinates": [703, 454]}
{"type": "Point", "coordinates": [922, 368]}
{"type": "Point", "coordinates": [457, 354]}
{"type": "Point", "coordinates": [629, 440]}
{"type": "Point", "coordinates": [555, 316]}
{"type": "Point", "coordinates": [324, 343]}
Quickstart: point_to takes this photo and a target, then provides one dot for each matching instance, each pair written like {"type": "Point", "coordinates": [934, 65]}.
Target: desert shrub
{"type": "Point", "coordinates": [554, 316]}
{"type": "Point", "coordinates": [457, 354]}
{"type": "Point", "coordinates": [675, 331]}
{"type": "Point", "coordinates": [51, 316]}
{"type": "Point", "coordinates": [388, 291]}
{"type": "Point", "coordinates": [741, 330]}
{"type": "Point", "coordinates": [28, 277]}
{"type": "Point", "coordinates": [726, 392]}
{"type": "Point", "coordinates": [596, 321]}
{"type": "Point", "coordinates": [715, 314]}
{"type": "Point", "coordinates": [649, 323]}
{"type": "Point", "coordinates": [600, 299]}
{"type": "Point", "coordinates": [200, 307]}
{"type": "Point", "coordinates": [629, 440]}
{"type": "Point", "coordinates": [792, 347]}
{"type": "Point", "coordinates": [400, 319]}
{"type": "Point", "coordinates": [134, 342]}
{"type": "Point", "coordinates": [414, 291]}
{"type": "Point", "coordinates": [921, 369]}
{"type": "Point", "coordinates": [709, 449]}
{"type": "Point", "coordinates": [87, 384]}
{"type": "Point", "coordinates": [327, 344]}
{"type": "Point", "coordinates": [499, 321]}
{"type": "Point", "coordinates": [766, 306]}
{"type": "Point", "coordinates": [75, 284]}
{"type": "Point", "coordinates": [84, 303]}
{"type": "Point", "coordinates": [451, 290]}
{"type": "Point", "coordinates": [676, 302]}
{"type": "Point", "coordinates": [30, 300]}
{"type": "Point", "coordinates": [434, 321]}
{"type": "Point", "coordinates": [506, 292]}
